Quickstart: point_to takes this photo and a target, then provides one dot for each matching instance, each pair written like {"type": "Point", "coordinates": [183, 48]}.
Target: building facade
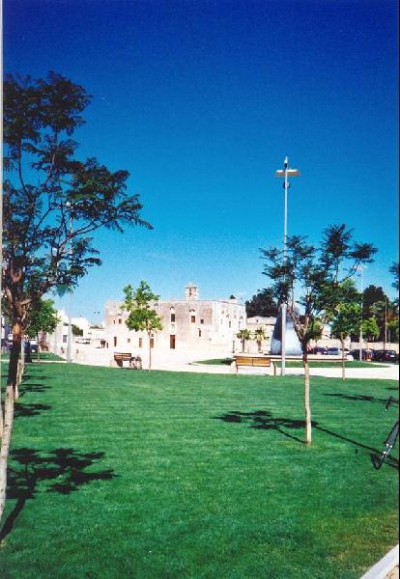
{"type": "Point", "coordinates": [190, 324]}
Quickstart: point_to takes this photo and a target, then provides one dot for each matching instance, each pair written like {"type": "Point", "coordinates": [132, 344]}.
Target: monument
{"type": "Point", "coordinates": [293, 346]}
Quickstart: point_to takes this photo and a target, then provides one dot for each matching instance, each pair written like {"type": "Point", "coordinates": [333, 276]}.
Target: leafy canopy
{"type": "Point", "coordinates": [53, 201]}
{"type": "Point", "coordinates": [138, 303]}
{"type": "Point", "coordinates": [318, 275]}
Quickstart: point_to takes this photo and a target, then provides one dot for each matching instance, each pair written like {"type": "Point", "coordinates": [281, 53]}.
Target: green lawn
{"type": "Point", "coordinates": [121, 473]}
{"type": "Point", "coordinates": [299, 363]}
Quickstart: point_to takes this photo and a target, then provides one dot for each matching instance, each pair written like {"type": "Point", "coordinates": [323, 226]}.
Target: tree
{"type": "Point", "coordinates": [142, 317]}
{"type": "Point", "coordinates": [393, 324]}
{"type": "Point", "coordinates": [394, 270]}
{"type": "Point", "coordinates": [371, 295]}
{"type": "Point", "coordinates": [76, 330]}
{"type": "Point", "coordinates": [262, 304]}
{"type": "Point", "coordinates": [259, 335]}
{"type": "Point", "coordinates": [42, 318]}
{"type": "Point", "coordinates": [370, 329]}
{"type": "Point", "coordinates": [319, 275]}
{"type": "Point", "coordinates": [243, 336]}
{"type": "Point", "coordinates": [52, 203]}
{"type": "Point", "coordinates": [346, 319]}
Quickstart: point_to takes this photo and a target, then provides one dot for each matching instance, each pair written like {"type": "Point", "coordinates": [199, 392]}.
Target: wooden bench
{"type": "Point", "coordinates": [254, 362]}
{"type": "Point", "coordinates": [121, 357]}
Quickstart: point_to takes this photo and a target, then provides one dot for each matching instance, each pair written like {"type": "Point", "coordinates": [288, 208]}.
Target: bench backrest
{"type": "Point", "coordinates": [252, 361]}
{"type": "Point", "coordinates": [122, 356]}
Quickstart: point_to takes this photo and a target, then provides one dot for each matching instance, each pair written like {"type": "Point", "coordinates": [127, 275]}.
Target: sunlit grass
{"type": "Point", "coordinates": [124, 473]}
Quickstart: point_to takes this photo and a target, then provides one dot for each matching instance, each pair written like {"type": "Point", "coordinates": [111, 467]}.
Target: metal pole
{"type": "Point", "coordinates": [69, 337]}
{"type": "Point", "coordinates": [285, 173]}
{"type": "Point", "coordinates": [385, 328]}
{"type": "Point", "coordinates": [361, 270]}
{"type": "Point", "coordinates": [284, 305]}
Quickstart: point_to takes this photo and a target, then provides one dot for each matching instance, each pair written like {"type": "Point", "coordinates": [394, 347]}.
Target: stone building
{"type": "Point", "coordinates": [190, 325]}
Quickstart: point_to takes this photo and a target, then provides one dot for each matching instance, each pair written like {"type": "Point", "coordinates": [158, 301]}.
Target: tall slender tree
{"type": "Point", "coordinates": [318, 274]}
{"type": "Point", "coordinates": [345, 319]}
{"type": "Point", "coordinates": [142, 316]}
{"type": "Point", "coordinates": [52, 204]}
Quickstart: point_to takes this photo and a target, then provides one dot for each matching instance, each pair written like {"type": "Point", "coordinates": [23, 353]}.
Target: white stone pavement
{"type": "Point", "coordinates": [176, 361]}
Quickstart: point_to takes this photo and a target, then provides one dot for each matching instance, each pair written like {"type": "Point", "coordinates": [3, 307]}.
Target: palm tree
{"type": "Point", "coordinates": [243, 336]}
{"type": "Point", "coordinates": [259, 335]}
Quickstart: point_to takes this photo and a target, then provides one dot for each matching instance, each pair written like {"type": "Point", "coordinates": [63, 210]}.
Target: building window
{"type": "Point", "coordinates": [172, 318]}
{"type": "Point", "coordinates": [151, 343]}
{"type": "Point", "coordinates": [140, 342]}
{"type": "Point", "coordinates": [201, 321]}
{"type": "Point", "coordinates": [128, 341]}
{"type": "Point", "coordinates": [172, 342]}
{"type": "Point", "coordinates": [193, 319]}
{"type": "Point", "coordinates": [120, 321]}
{"type": "Point", "coordinates": [115, 341]}
{"type": "Point", "coordinates": [199, 333]}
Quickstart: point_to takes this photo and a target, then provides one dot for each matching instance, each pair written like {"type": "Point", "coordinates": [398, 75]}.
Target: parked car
{"type": "Point", "coordinates": [32, 346]}
{"type": "Point", "coordinates": [319, 350]}
{"type": "Point", "coordinates": [333, 352]}
{"type": "Point", "coordinates": [365, 354]}
{"type": "Point", "coordinates": [385, 356]}
{"type": "Point", "coordinates": [338, 352]}
{"type": "Point", "coordinates": [81, 340]}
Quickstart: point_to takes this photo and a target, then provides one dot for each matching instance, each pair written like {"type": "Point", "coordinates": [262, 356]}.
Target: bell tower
{"type": "Point", "coordinates": [192, 291]}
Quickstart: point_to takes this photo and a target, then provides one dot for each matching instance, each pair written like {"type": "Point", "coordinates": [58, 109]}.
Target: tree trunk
{"type": "Point", "coordinates": [343, 360]}
{"type": "Point", "coordinates": [149, 336]}
{"type": "Point", "coordinates": [5, 443]}
{"type": "Point", "coordinates": [307, 407]}
{"type": "Point", "coordinates": [9, 403]}
{"type": "Point", "coordinates": [16, 366]}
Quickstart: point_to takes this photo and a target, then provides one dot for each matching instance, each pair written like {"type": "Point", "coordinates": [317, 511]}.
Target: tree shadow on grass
{"type": "Point", "coordinates": [33, 388]}
{"type": "Point", "coordinates": [29, 410]}
{"type": "Point", "coordinates": [63, 471]}
{"type": "Point", "coordinates": [364, 398]}
{"type": "Point", "coordinates": [264, 420]}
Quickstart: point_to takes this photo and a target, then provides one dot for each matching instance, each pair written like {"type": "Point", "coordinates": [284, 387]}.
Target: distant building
{"type": "Point", "coordinates": [189, 325]}
{"type": "Point", "coordinates": [265, 323]}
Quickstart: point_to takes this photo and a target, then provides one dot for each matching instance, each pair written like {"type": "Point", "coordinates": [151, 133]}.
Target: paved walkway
{"type": "Point", "coordinates": [176, 361]}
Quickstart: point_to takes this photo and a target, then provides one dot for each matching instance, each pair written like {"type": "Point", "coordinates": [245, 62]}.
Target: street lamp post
{"type": "Point", "coordinates": [360, 268]}
{"type": "Point", "coordinates": [69, 336]}
{"type": "Point", "coordinates": [286, 172]}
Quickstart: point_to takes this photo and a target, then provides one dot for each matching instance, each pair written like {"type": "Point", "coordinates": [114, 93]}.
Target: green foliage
{"type": "Point", "coordinates": [43, 318]}
{"type": "Point", "coordinates": [244, 334]}
{"type": "Point", "coordinates": [393, 330]}
{"type": "Point", "coordinates": [320, 275]}
{"type": "Point", "coordinates": [262, 304]}
{"type": "Point", "coordinates": [53, 201]}
{"type": "Point", "coordinates": [259, 334]}
{"type": "Point", "coordinates": [346, 321]}
{"type": "Point", "coordinates": [138, 303]}
{"type": "Point", "coordinates": [76, 331]}
{"type": "Point", "coordinates": [394, 270]}
{"type": "Point", "coordinates": [370, 329]}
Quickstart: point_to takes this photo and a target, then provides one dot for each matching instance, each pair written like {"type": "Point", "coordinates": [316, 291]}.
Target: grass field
{"type": "Point", "coordinates": [299, 363]}
{"type": "Point", "coordinates": [120, 473]}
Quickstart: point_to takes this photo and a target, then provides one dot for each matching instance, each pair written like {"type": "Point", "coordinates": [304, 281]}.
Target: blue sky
{"type": "Point", "coordinates": [201, 101]}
